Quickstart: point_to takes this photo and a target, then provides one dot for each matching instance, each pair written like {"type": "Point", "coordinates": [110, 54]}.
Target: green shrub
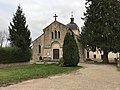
{"type": "Point", "coordinates": [61, 62]}
{"type": "Point", "coordinates": [70, 51]}
{"type": "Point", "coordinates": [14, 55]}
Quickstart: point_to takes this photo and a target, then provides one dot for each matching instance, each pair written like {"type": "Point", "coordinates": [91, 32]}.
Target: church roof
{"type": "Point", "coordinates": [37, 38]}
{"type": "Point", "coordinates": [52, 23]}
{"type": "Point", "coordinates": [48, 26]}
{"type": "Point", "coordinates": [72, 25]}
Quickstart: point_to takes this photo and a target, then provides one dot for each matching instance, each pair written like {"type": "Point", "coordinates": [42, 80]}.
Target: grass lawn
{"type": "Point", "coordinates": [15, 74]}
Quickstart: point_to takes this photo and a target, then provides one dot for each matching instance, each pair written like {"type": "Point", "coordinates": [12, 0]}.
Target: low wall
{"type": "Point", "coordinates": [118, 63]}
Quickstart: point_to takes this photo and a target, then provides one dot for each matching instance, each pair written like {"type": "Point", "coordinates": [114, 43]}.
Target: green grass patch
{"type": "Point", "coordinates": [15, 74]}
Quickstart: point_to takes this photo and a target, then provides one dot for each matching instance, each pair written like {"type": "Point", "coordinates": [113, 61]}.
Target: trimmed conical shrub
{"type": "Point", "coordinates": [70, 50]}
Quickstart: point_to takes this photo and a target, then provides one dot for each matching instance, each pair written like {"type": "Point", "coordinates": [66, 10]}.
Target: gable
{"type": "Point", "coordinates": [54, 25]}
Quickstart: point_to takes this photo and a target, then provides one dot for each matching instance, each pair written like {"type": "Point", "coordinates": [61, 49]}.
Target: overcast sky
{"type": "Point", "coordinates": [39, 13]}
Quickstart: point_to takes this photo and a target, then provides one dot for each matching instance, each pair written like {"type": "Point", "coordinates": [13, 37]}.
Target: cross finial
{"type": "Point", "coordinates": [72, 14]}
{"type": "Point", "coordinates": [55, 17]}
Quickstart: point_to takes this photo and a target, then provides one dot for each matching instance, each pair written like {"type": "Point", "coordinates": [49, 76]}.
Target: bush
{"type": "Point", "coordinates": [14, 55]}
{"type": "Point", "coordinates": [61, 62]}
{"type": "Point", "coordinates": [70, 51]}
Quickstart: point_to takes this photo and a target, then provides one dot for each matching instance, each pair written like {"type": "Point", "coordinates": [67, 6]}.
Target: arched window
{"type": "Point", "coordinates": [40, 58]}
{"type": "Point", "coordinates": [52, 35]}
{"type": "Point", "coordinates": [39, 48]}
{"type": "Point", "coordinates": [59, 34]}
{"type": "Point", "coordinates": [55, 34]}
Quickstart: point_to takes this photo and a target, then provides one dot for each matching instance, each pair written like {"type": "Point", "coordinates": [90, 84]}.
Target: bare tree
{"type": "Point", "coordinates": [3, 38]}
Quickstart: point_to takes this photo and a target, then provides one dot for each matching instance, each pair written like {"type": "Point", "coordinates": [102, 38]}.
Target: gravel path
{"type": "Point", "coordinates": [91, 77]}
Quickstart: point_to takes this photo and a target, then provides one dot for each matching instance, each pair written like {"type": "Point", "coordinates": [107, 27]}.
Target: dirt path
{"type": "Point", "coordinates": [91, 77]}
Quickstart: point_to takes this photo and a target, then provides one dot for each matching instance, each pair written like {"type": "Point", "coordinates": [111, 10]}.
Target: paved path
{"type": "Point", "coordinates": [91, 77]}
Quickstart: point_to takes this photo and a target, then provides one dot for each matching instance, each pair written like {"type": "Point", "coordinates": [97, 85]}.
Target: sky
{"type": "Point", "coordinates": [39, 13]}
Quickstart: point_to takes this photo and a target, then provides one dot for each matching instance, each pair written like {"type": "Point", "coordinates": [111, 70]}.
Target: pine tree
{"type": "Point", "coordinates": [101, 29]}
{"type": "Point", "coordinates": [70, 51]}
{"type": "Point", "coordinates": [18, 30]}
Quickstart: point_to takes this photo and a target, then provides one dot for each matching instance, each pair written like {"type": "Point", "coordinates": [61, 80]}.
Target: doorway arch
{"type": "Point", "coordinates": [55, 50]}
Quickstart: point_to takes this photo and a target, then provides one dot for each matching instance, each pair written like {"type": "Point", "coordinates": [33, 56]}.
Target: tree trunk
{"type": "Point", "coordinates": [105, 57]}
{"type": "Point", "coordinates": [1, 44]}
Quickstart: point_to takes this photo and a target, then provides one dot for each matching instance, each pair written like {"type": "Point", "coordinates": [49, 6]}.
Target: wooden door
{"type": "Point", "coordinates": [55, 53]}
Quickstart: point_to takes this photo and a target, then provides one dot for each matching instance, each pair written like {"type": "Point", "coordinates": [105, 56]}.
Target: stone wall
{"type": "Point", "coordinates": [35, 50]}
{"type": "Point", "coordinates": [55, 26]}
{"type": "Point", "coordinates": [46, 41]}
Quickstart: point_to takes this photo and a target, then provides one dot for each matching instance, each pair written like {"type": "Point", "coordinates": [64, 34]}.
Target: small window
{"type": "Point", "coordinates": [102, 57]}
{"type": "Point", "coordinates": [87, 54]}
{"type": "Point", "coordinates": [55, 34]}
{"type": "Point", "coordinates": [59, 34]}
{"type": "Point", "coordinates": [40, 58]}
{"type": "Point", "coordinates": [52, 35]}
{"type": "Point", "coordinates": [94, 56]}
{"type": "Point", "coordinates": [39, 49]}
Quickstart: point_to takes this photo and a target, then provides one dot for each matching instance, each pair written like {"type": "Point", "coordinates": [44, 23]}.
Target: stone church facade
{"type": "Point", "coordinates": [49, 45]}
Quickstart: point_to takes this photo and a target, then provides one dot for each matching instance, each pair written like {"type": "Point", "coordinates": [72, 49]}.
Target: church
{"type": "Point", "coordinates": [49, 45]}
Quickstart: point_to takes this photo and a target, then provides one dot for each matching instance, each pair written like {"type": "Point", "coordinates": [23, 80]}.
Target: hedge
{"type": "Point", "coordinates": [14, 55]}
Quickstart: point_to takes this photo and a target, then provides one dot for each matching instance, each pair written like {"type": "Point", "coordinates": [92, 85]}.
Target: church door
{"type": "Point", "coordinates": [55, 53]}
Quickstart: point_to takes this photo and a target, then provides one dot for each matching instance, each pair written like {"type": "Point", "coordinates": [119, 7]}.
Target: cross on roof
{"type": "Point", "coordinates": [72, 14]}
{"type": "Point", "coordinates": [55, 17]}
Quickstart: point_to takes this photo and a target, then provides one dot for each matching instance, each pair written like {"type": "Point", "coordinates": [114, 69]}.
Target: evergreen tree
{"type": "Point", "coordinates": [18, 30]}
{"type": "Point", "coordinates": [101, 29]}
{"type": "Point", "coordinates": [70, 51]}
